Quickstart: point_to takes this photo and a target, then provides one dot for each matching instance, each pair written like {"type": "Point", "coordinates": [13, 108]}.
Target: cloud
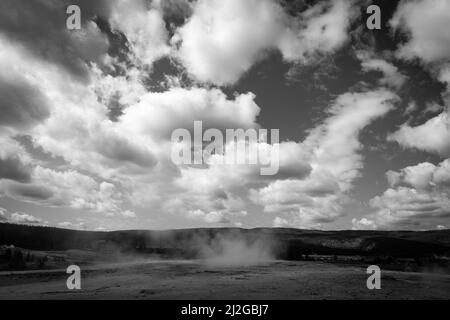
{"type": "Point", "coordinates": [392, 77]}
{"type": "Point", "coordinates": [432, 136]}
{"type": "Point", "coordinates": [72, 225]}
{"type": "Point", "coordinates": [41, 30]}
{"type": "Point", "coordinates": [218, 192]}
{"type": "Point", "coordinates": [214, 216]}
{"type": "Point", "coordinates": [422, 176]}
{"type": "Point", "coordinates": [426, 24]}
{"type": "Point", "coordinates": [319, 30]}
{"type": "Point", "coordinates": [3, 216]}
{"type": "Point", "coordinates": [68, 188]}
{"type": "Point", "coordinates": [279, 222]}
{"type": "Point", "coordinates": [79, 191]}
{"type": "Point", "coordinates": [18, 217]}
{"type": "Point", "coordinates": [26, 192]}
{"type": "Point", "coordinates": [100, 138]}
{"type": "Point", "coordinates": [24, 218]}
{"type": "Point", "coordinates": [132, 152]}
{"type": "Point", "coordinates": [158, 114]}
{"type": "Point", "coordinates": [223, 39]}
{"type": "Point", "coordinates": [333, 148]}
{"type": "Point", "coordinates": [15, 162]}
{"type": "Point", "coordinates": [72, 124]}
{"type": "Point", "coordinates": [22, 104]}
{"type": "Point", "coordinates": [410, 208]}
{"type": "Point", "coordinates": [418, 197]}
{"type": "Point", "coordinates": [363, 224]}
{"type": "Point", "coordinates": [143, 27]}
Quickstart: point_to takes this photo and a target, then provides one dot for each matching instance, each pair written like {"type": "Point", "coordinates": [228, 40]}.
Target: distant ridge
{"type": "Point", "coordinates": [288, 243]}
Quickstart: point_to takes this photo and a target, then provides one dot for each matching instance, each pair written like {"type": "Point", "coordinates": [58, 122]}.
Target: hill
{"type": "Point", "coordinates": [283, 243]}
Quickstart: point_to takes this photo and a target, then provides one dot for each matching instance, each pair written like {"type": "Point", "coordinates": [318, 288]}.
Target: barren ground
{"type": "Point", "coordinates": [198, 280]}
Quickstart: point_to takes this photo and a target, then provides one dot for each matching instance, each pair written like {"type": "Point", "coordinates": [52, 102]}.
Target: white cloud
{"type": "Point", "coordinates": [107, 163]}
{"type": "Point", "coordinates": [72, 225]}
{"type": "Point", "coordinates": [418, 197]}
{"type": "Point", "coordinates": [158, 114]}
{"type": "Point", "coordinates": [333, 148]}
{"type": "Point", "coordinates": [421, 176]}
{"type": "Point", "coordinates": [391, 75]}
{"type": "Point", "coordinates": [3, 216]}
{"type": "Point", "coordinates": [410, 208]}
{"type": "Point", "coordinates": [223, 39]}
{"type": "Point", "coordinates": [223, 188]}
{"type": "Point", "coordinates": [15, 162]}
{"type": "Point", "coordinates": [426, 22]}
{"type": "Point", "coordinates": [25, 218]}
{"type": "Point", "coordinates": [279, 222]}
{"type": "Point", "coordinates": [214, 216]}
{"type": "Point", "coordinates": [322, 28]}
{"type": "Point", "coordinates": [127, 214]}
{"type": "Point", "coordinates": [144, 28]}
{"type": "Point", "coordinates": [40, 29]}
{"type": "Point", "coordinates": [432, 136]}
{"type": "Point", "coordinates": [363, 224]}
{"type": "Point", "coordinates": [68, 188]}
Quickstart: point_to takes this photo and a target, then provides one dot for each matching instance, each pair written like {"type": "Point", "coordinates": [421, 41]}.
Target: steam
{"type": "Point", "coordinates": [226, 250]}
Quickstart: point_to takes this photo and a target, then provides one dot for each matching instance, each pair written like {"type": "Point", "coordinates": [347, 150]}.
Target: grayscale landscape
{"type": "Point", "coordinates": [225, 149]}
{"type": "Point", "coordinates": [224, 264]}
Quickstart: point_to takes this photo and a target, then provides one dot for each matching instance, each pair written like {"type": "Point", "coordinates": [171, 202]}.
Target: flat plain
{"type": "Point", "coordinates": [195, 279]}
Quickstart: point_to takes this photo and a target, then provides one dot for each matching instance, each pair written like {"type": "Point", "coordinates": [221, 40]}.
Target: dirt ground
{"type": "Point", "coordinates": [198, 280]}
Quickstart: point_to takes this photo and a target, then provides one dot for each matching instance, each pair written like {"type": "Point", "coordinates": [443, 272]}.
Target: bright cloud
{"type": "Point", "coordinates": [333, 147]}
{"type": "Point", "coordinates": [426, 24]}
{"type": "Point", "coordinates": [432, 136]}
{"type": "Point", "coordinates": [223, 39]}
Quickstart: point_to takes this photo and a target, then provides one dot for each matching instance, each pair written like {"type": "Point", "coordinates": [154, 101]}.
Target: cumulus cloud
{"type": "Point", "coordinates": [24, 218]}
{"type": "Point", "coordinates": [223, 39]}
{"type": "Point", "coordinates": [432, 136]}
{"type": "Point", "coordinates": [321, 29]}
{"type": "Point", "coordinates": [144, 28]}
{"type": "Point", "coordinates": [219, 192]}
{"type": "Point", "coordinates": [410, 208]}
{"type": "Point", "coordinates": [25, 192]}
{"type": "Point", "coordinates": [22, 104]}
{"type": "Point", "coordinates": [103, 138]}
{"type": "Point", "coordinates": [80, 191]}
{"type": "Point", "coordinates": [422, 176]}
{"type": "Point", "coordinates": [426, 24]}
{"type": "Point", "coordinates": [158, 114]}
{"type": "Point", "coordinates": [69, 50]}
{"type": "Point", "coordinates": [68, 188]}
{"type": "Point", "coordinates": [334, 149]}
{"type": "Point", "coordinates": [65, 118]}
{"type": "Point", "coordinates": [418, 197]}
{"type": "Point", "coordinates": [214, 216]}
{"type": "Point", "coordinates": [279, 222]}
{"type": "Point", "coordinates": [363, 224]}
{"type": "Point", "coordinates": [19, 217]}
{"type": "Point", "coordinates": [15, 162]}
{"type": "Point", "coordinates": [3, 216]}
{"type": "Point", "coordinates": [72, 225]}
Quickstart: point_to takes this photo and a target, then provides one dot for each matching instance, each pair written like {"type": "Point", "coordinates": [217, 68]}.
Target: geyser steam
{"type": "Point", "coordinates": [228, 250]}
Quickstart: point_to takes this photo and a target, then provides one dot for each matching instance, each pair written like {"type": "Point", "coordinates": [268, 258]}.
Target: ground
{"type": "Point", "coordinates": [199, 280]}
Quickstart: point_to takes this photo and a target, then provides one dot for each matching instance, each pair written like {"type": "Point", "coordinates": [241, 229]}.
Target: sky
{"type": "Point", "coordinates": [363, 114]}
